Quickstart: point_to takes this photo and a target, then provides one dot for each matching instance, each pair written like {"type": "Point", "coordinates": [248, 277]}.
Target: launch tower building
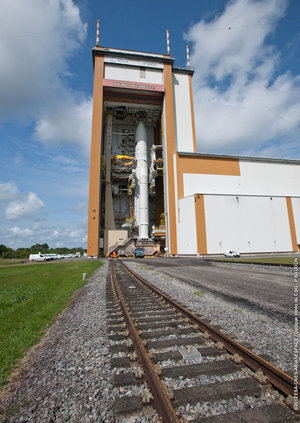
{"type": "Point", "coordinates": [149, 185]}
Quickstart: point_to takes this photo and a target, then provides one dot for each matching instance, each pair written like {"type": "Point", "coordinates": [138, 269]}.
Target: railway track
{"type": "Point", "coordinates": [170, 365]}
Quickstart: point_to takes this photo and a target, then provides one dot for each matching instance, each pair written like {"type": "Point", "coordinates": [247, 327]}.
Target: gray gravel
{"type": "Point", "coordinates": [201, 380]}
{"type": "Point", "coordinates": [270, 337]}
{"type": "Point", "coordinates": [258, 267]}
{"type": "Point", "coordinates": [215, 408]}
{"type": "Point", "coordinates": [264, 290]}
{"type": "Point", "coordinates": [67, 378]}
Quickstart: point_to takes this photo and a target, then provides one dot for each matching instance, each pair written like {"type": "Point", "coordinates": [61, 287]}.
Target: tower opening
{"type": "Point", "coordinates": [122, 211]}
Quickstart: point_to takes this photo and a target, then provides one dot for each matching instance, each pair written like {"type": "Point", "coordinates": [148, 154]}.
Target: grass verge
{"type": "Point", "coordinates": [269, 260]}
{"type": "Point", "coordinates": [10, 262]}
{"type": "Point", "coordinates": [31, 297]}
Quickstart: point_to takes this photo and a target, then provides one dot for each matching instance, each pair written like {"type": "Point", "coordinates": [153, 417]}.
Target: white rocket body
{"type": "Point", "coordinates": [141, 190]}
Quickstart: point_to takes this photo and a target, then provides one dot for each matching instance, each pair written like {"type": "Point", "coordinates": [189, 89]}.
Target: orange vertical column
{"type": "Point", "coordinates": [292, 223]}
{"type": "Point", "coordinates": [200, 224]}
{"type": "Point", "coordinates": [95, 163]}
{"type": "Point", "coordinates": [171, 148]}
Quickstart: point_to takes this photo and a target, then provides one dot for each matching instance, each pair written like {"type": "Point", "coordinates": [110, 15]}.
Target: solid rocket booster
{"type": "Point", "coordinates": [141, 190]}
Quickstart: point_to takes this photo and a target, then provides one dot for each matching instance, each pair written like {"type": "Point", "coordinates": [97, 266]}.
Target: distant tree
{"type": "Point", "coordinates": [74, 250]}
{"type": "Point", "coordinates": [39, 247]}
{"type": "Point", "coordinates": [22, 252]}
{"type": "Point", "coordinates": [8, 253]}
{"type": "Point", "coordinates": [62, 250]}
{"type": "Point", "coordinates": [3, 249]}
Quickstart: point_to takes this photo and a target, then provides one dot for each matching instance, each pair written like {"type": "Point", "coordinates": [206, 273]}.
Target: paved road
{"type": "Point", "coordinates": [267, 290]}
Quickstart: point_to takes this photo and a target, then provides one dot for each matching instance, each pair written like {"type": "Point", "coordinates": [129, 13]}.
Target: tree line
{"type": "Point", "coordinates": [7, 252]}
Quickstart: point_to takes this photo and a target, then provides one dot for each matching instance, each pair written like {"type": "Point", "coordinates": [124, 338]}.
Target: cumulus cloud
{"type": "Point", "coordinates": [38, 41]}
{"type": "Point", "coordinates": [242, 103]}
{"type": "Point", "coordinates": [20, 233]}
{"type": "Point", "coordinates": [58, 235]}
{"type": "Point", "coordinates": [8, 191]}
{"type": "Point", "coordinates": [76, 233]}
{"type": "Point", "coordinates": [24, 207]}
{"type": "Point", "coordinates": [58, 123]}
{"type": "Point", "coordinates": [66, 234]}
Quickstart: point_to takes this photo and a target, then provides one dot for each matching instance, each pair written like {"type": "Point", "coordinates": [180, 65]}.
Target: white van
{"type": "Point", "coordinates": [231, 253]}
{"type": "Point", "coordinates": [37, 257]}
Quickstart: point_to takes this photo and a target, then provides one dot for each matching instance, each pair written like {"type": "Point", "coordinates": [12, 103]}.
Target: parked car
{"type": "Point", "coordinates": [37, 257]}
{"type": "Point", "coordinates": [49, 256]}
{"type": "Point", "coordinates": [231, 253]}
{"type": "Point", "coordinates": [53, 256]}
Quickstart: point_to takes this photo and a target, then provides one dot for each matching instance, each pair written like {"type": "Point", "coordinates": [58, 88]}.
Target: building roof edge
{"type": "Point", "coordinates": [183, 70]}
{"type": "Point", "coordinates": [132, 54]}
{"type": "Point", "coordinates": [245, 158]}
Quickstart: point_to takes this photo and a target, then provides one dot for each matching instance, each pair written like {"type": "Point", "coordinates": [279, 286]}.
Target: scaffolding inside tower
{"type": "Point", "coordinates": [120, 191]}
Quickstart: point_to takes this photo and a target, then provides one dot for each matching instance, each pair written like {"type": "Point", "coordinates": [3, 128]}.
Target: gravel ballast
{"type": "Point", "coordinates": [257, 267]}
{"type": "Point", "coordinates": [269, 337]}
{"type": "Point", "coordinates": [67, 377]}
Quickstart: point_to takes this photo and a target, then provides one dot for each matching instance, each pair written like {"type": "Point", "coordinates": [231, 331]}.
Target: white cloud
{"type": "Point", "coordinates": [23, 208]}
{"type": "Point", "coordinates": [241, 102]}
{"type": "Point", "coordinates": [38, 41]}
{"type": "Point", "coordinates": [20, 233]}
{"type": "Point", "coordinates": [66, 234]}
{"type": "Point", "coordinates": [8, 191]}
{"type": "Point", "coordinates": [69, 121]}
{"type": "Point", "coordinates": [58, 234]}
{"type": "Point", "coordinates": [76, 233]}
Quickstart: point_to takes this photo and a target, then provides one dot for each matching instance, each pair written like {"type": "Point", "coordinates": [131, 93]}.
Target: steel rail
{"type": "Point", "coordinates": [276, 377]}
{"type": "Point", "coordinates": [161, 400]}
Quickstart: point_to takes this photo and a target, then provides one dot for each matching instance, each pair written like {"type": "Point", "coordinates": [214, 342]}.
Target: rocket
{"type": "Point", "coordinates": [141, 174]}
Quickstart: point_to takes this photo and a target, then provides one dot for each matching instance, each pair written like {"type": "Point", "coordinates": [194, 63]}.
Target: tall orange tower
{"type": "Point", "coordinates": [130, 87]}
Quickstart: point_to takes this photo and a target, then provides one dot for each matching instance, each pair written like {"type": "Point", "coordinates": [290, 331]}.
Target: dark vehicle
{"type": "Point", "coordinates": [139, 252]}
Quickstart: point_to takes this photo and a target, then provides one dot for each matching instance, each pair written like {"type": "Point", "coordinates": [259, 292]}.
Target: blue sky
{"type": "Point", "coordinates": [246, 58]}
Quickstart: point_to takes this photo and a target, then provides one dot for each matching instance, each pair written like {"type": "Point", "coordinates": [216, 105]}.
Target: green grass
{"type": "Point", "coordinates": [9, 262]}
{"type": "Point", "coordinates": [31, 297]}
{"type": "Point", "coordinates": [269, 260]}
{"type": "Point", "coordinates": [200, 293]}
